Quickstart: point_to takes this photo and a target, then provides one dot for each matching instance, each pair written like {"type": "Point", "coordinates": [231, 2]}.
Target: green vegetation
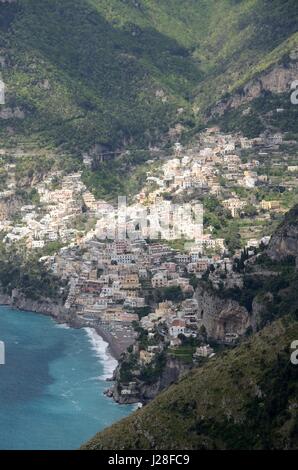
{"type": "Point", "coordinates": [126, 368]}
{"type": "Point", "coordinates": [178, 245]}
{"type": "Point", "coordinates": [276, 291]}
{"type": "Point", "coordinates": [183, 353]}
{"type": "Point", "coordinates": [28, 167]}
{"type": "Point", "coordinates": [151, 372]}
{"type": "Point", "coordinates": [142, 311]}
{"type": "Point", "coordinates": [262, 114]}
{"type": "Point", "coordinates": [222, 223]}
{"type": "Point", "coordinates": [51, 248]}
{"type": "Point", "coordinates": [118, 75]}
{"type": "Point", "coordinates": [173, 293]}
{"type": "Point", "coordinates": [29, 276]}
{"type": "Point", "coordinates": [93, 81]}
{"type": "Point", "coordinates": [259, 385]}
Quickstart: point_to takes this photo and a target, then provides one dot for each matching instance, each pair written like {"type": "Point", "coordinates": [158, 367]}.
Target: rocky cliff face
{"type": "Point", "coordinates": [284, 242]}
{"type": "Point", "coordinates": [277, 80]}
{"type": "Point", "coordinates": [143, 392]}
{"type": "Point", "coordinates": [45, 306]}
{"type": "Point", "coordinates": [9, 206]}
{"type": "Point", "coordinates": [221, 316]}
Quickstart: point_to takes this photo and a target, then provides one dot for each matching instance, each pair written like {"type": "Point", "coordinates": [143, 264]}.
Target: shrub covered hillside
{"type": "Point", "coordinates": [115, 72]}
{"type": "Point", "coordinates": [244, 399]}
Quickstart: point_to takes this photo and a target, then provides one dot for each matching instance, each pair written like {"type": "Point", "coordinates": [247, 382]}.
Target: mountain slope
{"type": "Point", "coordinates": [245, 399]}
{"type": "Point", "coordinates": [115, 72]}
{"type": "Point", "coordinates": [79, 80]}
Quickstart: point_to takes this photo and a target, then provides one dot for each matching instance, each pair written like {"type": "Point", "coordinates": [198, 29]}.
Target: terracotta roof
{"type": "Point", "coordinates": [178, 322]}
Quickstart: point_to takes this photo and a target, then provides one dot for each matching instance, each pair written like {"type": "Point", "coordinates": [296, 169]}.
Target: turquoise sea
{"type": "Point", "coordinates": [52, 383]}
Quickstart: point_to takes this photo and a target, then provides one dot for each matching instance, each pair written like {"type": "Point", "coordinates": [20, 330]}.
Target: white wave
{"type": "Point", "coordinates": [64, 326]}
{"type": "Point", "coordinates": [93, 379]}
{"type": "Point", "coordinates": [100, 347]}
{"type": "Point", "coordinates": [137, 406]}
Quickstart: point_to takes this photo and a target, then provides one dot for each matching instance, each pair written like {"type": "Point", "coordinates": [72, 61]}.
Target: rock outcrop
{"type": "Point", "coordinates": [44, 306]}
{"type": "Point", "coordinates": [142, 392]}
{"type": "Point", "coordinates": [277, 80]}
{"type": "Point", "coordinates": [284, 242]}
{"type": "Point", "coordinates": [221, 316]}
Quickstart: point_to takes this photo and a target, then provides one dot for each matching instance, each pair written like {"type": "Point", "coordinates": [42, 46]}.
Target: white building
{"type": "Point", "coordinates": [177, 327]}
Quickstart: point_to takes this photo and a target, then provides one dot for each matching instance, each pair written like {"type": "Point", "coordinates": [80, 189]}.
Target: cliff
{"type": "Point", "coordinates": [221, 316]}
{"type": "Point", "coordinates": [44, 306]}
{"type": "Point", "coordinates": [284, 242]}
{"type": "Point", "coordinates": [141, 391]}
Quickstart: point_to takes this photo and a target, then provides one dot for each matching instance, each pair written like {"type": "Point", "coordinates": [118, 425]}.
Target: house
{"type": "Point", "coordinates": [190, 307]}
{"type": "Point", "coordinates": [153, 349]}
{"type": "Point", "coordinates": [160, 279]}
{"type": "Point", "coordinates": [229, 148]}
{"type": "Point", "coordinates": [134, 302]}
{"type": "Point", "coordinates": [245, 143]}
{"type": "Point", "coordinates": [177, 327]}
{"type": "Point", "coordinates": [116, 313]}
{"type": "Point", "coordinates": [90, 201]}
{"type": "Point", "coordinates": [124, 258]}
{"type": "Point", "coordinates": [93, 275]}
{"type": "Point", "coordinates": [178, 148]}
{"type": "Point", "coordinates": [179, 281]}
{"type": "Point", "coordinates": [233, 204]}
{"type": "Point", "coordinates": [169, 266]}
{"type": "Point", "coordinates": [164, 309]}
{"type": "Point", "coordinates": [230, 338]}
{"type": "Point", "coordinates": [293, 168]}
{"type": "Point", "coordinates": [203, 351]}
{"type": "Point", "coordinates": [202, 264]}
{"type": "Point", "coordinates": [107, 292]}
{"type": "Point", "coordinates": [270, 205]}
{"type": "Point", "coordinates": [275, 139]}
{"type": "Point", "coordinates": [37, 244]}
{"type": "Point", "coordinates": [191, 268]}
{"type": "Point", "coordinates": [143, 274]}
{"type": "Point", "coordinates": [146, 357]}
{"type": "Point", "coordinates": [252, 243]}
{"type": "Point", "coordinates": [126, 391]}
{"type": "Point", "coordinates": [129, 281]}
{"type": "Point", "coordinates": [209, 243]}
{"type": "Point", "coordinates": [182, 258]}
{"type": "Point", "coordinates": [87, 160]}
{"type": "Point", "coordinates": [120, 246]}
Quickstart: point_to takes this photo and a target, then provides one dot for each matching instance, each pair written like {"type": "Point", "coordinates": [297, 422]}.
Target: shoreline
{"type": "Point", "coordinates": [113, 346]}
{"type": "Point", "coordinates": [60, 316]}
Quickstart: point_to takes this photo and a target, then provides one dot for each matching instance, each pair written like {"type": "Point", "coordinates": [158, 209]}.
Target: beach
{"type": "Point", "coordinates": [116, 336]}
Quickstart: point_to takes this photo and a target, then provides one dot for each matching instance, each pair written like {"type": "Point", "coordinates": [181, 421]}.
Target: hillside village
{"type": "Point", "coordinates": [132, 270]}
{"type": "Point", "coordinates": [149, 208]}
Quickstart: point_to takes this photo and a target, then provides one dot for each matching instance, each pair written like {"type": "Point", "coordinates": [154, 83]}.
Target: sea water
{"type": "Point", "coordinates": [52, 383]}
